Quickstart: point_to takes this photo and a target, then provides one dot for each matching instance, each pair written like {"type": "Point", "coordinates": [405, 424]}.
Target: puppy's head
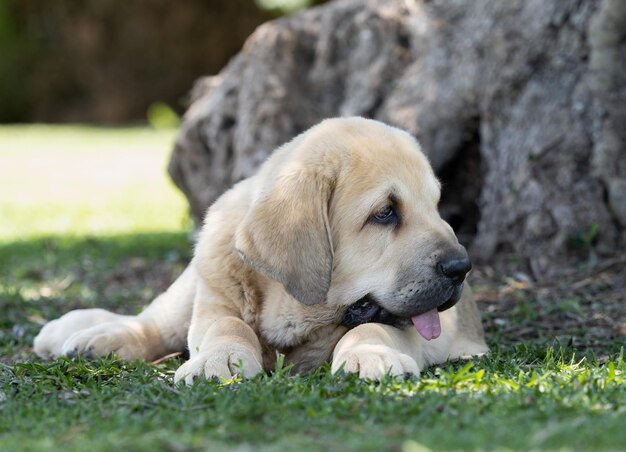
{"type": "Point", "coordinates": [348, 211]}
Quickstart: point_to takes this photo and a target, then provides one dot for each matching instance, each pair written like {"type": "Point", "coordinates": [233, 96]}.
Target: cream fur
{"type": "Point", "coordinates": [280, 257]}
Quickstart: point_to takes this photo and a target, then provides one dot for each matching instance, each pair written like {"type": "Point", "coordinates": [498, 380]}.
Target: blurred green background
{"type": "Point", "coordinates": [91, 94]}
{"type": "Point", "coordinates": [81, 180]}
{"type": "Point", "coordinates": [107, 61]}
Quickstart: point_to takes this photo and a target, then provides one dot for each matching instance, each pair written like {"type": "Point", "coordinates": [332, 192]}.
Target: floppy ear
{"type": "Point", "coordinates": [286, 235]}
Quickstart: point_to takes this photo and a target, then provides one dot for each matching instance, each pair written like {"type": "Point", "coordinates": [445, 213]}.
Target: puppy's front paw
{"type": "Point", "coordinates": [374, 361]}
{"type": "Point", "coordinates": [102, 340]}
{"type": "Point", "coordinates": [220, 360]}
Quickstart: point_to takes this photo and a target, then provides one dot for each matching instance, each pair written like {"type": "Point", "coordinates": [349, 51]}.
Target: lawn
{"type": "Point", "coordinates": [89, 218]}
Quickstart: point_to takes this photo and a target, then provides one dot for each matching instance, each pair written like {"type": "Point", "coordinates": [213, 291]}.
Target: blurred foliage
{"type": "Point", "coordinates": [108, 60]}
{"type": "Point", "coordinates": [18, 55]}
{"type": "Point", "coordinates": [286, 6]}
{"type": "Point", "coordinates": [161, 116]}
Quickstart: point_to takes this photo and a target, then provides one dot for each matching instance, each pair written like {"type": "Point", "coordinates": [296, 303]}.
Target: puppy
{"type": "Point", "coordinates": [333, 251]}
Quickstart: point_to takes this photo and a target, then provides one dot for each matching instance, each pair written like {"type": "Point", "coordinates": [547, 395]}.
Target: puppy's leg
{"type": "Point", "coordinates": [373, 350]}
{"type": "Point", "coordinates": [158, 330]}
{"type": "Point", "coordinates": [221, 344]}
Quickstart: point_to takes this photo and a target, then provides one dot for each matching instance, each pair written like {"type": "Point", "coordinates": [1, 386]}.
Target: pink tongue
{"type": "Point", "coordinates": [428, 324]}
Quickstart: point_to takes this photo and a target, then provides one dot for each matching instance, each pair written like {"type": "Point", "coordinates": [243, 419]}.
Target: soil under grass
{"type": "Point", "coordinates": [556, 377]}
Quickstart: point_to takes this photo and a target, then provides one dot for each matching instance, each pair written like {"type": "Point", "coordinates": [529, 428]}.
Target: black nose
{"type": "Point", "coordinates": [455, 268]}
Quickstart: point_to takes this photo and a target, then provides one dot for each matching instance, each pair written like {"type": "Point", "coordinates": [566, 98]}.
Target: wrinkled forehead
{"type": "Point", "coordinates": [390, 166]}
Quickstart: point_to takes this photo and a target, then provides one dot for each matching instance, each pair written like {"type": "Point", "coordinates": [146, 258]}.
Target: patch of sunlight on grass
{"type": "Point", "coordinates": [81, 180]}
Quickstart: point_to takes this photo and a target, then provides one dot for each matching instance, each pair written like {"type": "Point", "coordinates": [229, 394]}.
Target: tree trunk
{"type": "Point", "coordinates": [520, 106]}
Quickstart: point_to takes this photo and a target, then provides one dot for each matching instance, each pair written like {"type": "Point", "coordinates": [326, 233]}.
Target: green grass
{"type": "Point", "coordinates": [536, 390]}
{"type": "Point", "coordinates": [519, 399]}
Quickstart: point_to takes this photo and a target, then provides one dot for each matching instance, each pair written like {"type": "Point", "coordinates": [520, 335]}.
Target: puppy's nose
{"type": "Point", "coordinates": [455, 268]}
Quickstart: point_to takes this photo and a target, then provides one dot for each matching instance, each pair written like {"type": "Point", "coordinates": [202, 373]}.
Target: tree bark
{"type": "Point", "coordinates": [520, 106]}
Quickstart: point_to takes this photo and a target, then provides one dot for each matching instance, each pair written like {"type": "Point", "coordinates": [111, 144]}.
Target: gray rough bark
{"type": "Point", "coordinates": [520, 106]}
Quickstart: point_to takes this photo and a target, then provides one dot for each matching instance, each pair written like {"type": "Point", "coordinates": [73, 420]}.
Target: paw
{"type": "Point", "coordinates": [374, 361]}
{"type": "Point", "coordinates": [222, 361]}
{"type": "Point", "coordinates": [106, 339]}
{"type": "Point", "coordinates": [49, 342]}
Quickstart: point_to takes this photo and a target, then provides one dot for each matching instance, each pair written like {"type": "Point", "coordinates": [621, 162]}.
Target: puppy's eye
{"type": "Point", "coordinates": [386, 215]}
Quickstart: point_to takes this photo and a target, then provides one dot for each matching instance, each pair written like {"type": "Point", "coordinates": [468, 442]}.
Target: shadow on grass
{"type": "Point", "coordinates": [63, 249]}
{"type": "Point", "coordinates": [42, 278]}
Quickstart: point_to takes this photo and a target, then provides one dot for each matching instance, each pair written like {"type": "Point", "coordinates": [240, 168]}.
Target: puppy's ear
{"type": "Point", "coordinates": [286, 235]}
